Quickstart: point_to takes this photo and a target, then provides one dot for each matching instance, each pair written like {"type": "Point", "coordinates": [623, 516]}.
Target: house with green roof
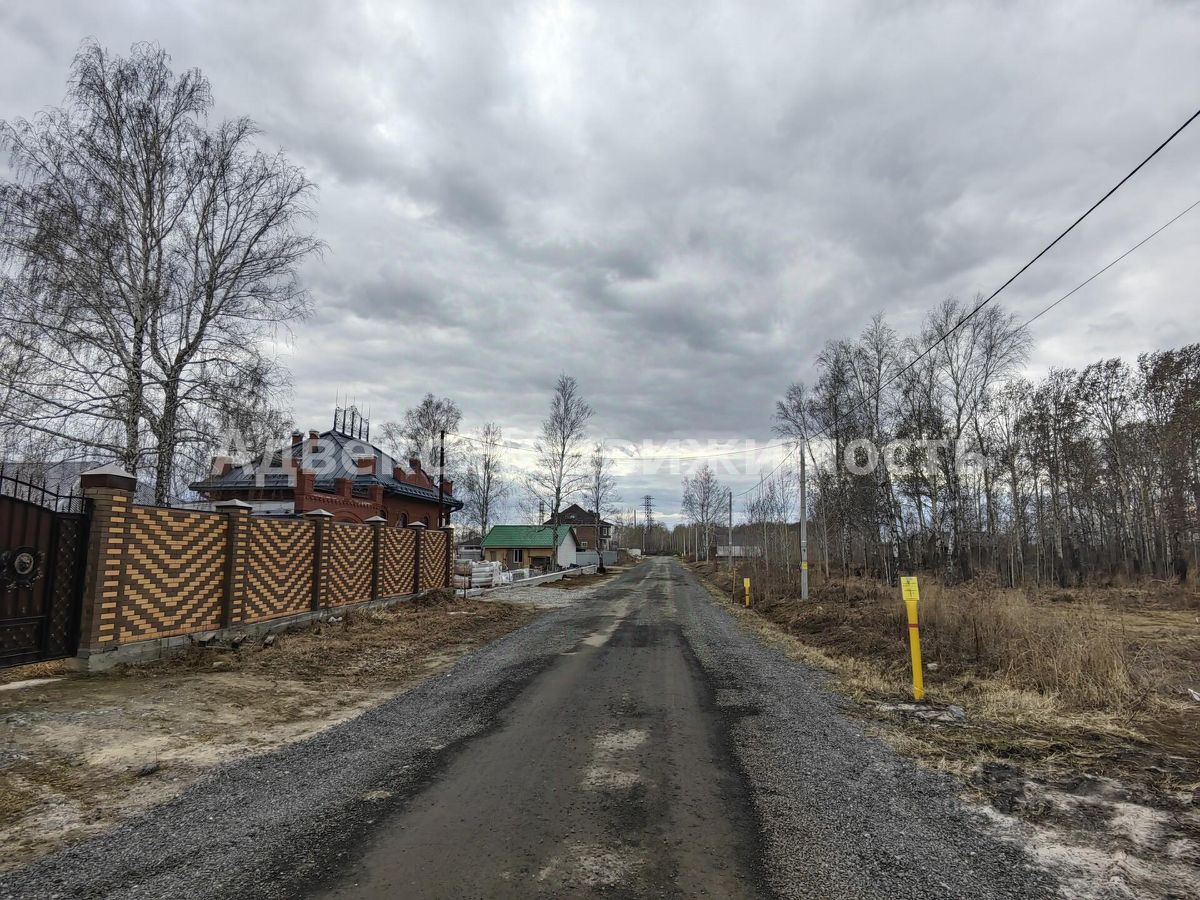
{"type": "Point", "coordinates": [521, 546]}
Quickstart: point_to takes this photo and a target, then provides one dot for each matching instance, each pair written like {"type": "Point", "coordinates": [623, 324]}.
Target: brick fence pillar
{"type": "Point", "coordinates": [419, 528]}
{"type": "Point", "coordinates": [376, 523]}
{"type": "Point", "coordinates": [109, 491]}
{"type": "Point", "coordinates": [449, 532]}
{"type": "Point", "coordinates": [320, 519]}
{"type": "Point", "coordinates": [233, 602]}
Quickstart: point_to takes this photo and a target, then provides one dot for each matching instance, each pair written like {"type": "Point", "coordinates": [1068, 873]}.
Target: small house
{"type": "Point", "coordinates": [524, 546]}
{"type": "Point", "coordinates": [590, 534]}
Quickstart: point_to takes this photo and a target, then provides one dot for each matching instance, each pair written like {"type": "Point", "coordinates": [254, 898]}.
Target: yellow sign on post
{"type": "Point", "coordinates": [746, 589]}
{"type": "Point", "coordinates": [912, 597]}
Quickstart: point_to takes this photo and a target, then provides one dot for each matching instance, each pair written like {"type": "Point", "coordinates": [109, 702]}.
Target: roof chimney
{"type": "Point", "coordinates": [314, 438]}
{"type": "Point", "coordinates": [297, 437]}
{"type": "Point", "coordinates": [414, 463]}
{"type": "Point", "coordinates": [365, 465]}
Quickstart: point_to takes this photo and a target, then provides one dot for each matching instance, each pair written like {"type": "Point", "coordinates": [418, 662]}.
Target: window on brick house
{"type": "Point", "coordinates": [402, 520]}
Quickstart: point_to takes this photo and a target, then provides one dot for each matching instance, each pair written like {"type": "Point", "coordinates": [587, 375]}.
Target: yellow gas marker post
{"type": "Point", "coordinates": [746, 589]}
{"type": "Point", "coordinates": [912, 596]}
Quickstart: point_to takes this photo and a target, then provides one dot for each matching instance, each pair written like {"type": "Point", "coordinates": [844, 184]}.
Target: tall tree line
{"type": "Point", "coordinates": [934, 451]}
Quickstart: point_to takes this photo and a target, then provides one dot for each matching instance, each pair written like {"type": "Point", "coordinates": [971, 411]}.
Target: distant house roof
{"type": "Point", "coordinates": [335, 459]}
{"type": "Point", "coordinates": [536, 536]}
{"type": "Point", "coordinates": [577, 515]}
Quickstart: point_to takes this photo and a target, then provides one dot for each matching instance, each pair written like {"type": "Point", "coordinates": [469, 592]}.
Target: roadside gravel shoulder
{"type": "Point", "coordinates": [842, 814]}
{"type": "Point", "coordinates": [276, 825]}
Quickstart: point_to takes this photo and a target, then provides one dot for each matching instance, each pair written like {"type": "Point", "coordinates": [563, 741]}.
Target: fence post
{"type": "Point", "coordinates": [232, 603]}
{"type": "Point", "coordinates": [319, 519]}
{"type": "Point", "coordinates": [448, 531]}
{"type": "Point", "coordinates": [109, 491]}
{"type": "Point", "coordinates": [376, 523]}
{"type": "Point", "coordinates": [419, 528]}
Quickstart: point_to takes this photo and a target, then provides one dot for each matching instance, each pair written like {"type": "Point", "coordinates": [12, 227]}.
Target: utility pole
{"type": "Point", "coordinates": [729, 538]}
{"type": "Point", "coordinates": [442, 482]}
{"type": "Point", "coordinates": [803, 527]}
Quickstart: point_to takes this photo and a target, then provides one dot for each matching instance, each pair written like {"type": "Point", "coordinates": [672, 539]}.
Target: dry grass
{"type": "Point", "coordinates": [1096, 673]}
{"type": "Point", "coordinates": [364, 646]}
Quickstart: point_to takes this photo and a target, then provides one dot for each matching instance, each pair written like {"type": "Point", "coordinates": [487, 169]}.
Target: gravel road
{"type": "Point", "coordinates": [635, 744]}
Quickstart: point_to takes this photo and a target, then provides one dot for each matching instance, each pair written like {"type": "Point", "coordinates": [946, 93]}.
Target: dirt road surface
{"type": "Point", "coordinates": [635, 744]}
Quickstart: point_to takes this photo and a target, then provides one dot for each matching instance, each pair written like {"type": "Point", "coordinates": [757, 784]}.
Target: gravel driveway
{"type": "Point", "coordinates": [636, 743]}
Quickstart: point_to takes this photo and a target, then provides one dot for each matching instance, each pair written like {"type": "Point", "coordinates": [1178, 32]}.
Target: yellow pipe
{"type": "Point", "coordinates": [746, 588]}
{"type": "Point", "coordinates": [912, 596]}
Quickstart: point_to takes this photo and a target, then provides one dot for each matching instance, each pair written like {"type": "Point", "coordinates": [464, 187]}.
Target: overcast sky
{"type": "Point", "coordinates": [680, 203]}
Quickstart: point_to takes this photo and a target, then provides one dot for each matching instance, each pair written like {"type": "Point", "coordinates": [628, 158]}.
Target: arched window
{"type": "Point", "coordinates": [425, 520]}
{"type": "Point", "coordinates": [402, 520]}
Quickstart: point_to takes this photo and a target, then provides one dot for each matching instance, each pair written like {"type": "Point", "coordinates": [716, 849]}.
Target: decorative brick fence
{"type": "Point", "coordinates": [155, 574]}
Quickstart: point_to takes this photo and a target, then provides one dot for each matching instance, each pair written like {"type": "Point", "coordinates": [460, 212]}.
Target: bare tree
{"type": "Point", "coordinates": [601, 493]}
{"type": "Point", "coordinates": [420, 433]}
{"type": "Point", "coordinates": [974, 357]}
{"type": "Point", "coordinates": [703, 498]}
{"type": "Point", "coordinates": [485, 485]}
{"type": "Point", "coordinates": [152, 254]}
{"type": "Point", "coordinates": [559, 472]}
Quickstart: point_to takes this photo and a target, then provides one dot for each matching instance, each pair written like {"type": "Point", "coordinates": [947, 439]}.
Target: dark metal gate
{"type": "Point", "coordinates": [43, 546]}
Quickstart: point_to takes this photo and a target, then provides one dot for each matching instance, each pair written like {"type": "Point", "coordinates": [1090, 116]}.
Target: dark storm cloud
{"type": "Point", "coordinates": [680, 203]}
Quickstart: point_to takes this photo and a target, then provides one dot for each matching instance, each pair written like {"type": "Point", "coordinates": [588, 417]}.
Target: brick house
{"type": "Point", "coordinates": [584, 523]}
{"type": "Point", "coordinates": [339, 471]}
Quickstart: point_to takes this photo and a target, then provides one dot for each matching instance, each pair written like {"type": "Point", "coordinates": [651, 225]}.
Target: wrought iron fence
{"type": "Point", "coordinates": [13, 485]}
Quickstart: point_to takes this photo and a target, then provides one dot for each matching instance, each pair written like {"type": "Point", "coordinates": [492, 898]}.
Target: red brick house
{"type": "Point", "coordinates": [336, 471]}
{"type": "Point", "coordinates": [584, 522]}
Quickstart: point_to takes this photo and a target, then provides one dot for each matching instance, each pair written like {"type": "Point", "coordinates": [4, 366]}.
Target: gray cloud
{"type": "Point", "coordinates": [679, 203]}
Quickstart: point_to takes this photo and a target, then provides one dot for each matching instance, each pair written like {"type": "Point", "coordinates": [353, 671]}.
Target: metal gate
{"type": "Point", "coordinates": [43, 546]}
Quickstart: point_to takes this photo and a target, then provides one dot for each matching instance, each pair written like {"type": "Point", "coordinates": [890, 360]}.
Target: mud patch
{"type": "Point", "coordinates": [590, 865]}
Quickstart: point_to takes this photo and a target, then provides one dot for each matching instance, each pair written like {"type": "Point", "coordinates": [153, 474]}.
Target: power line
{"type": "Point", "coordinates": [1049, 246]}
{"type": "Point", "coordinates": [635, 457]}
{"type": "Point", "coordinates": [942, 338]}
{"type": "Point", "coordinates": [1027, 322]}
{"type": "Point", "coordinates": [1100, 272]}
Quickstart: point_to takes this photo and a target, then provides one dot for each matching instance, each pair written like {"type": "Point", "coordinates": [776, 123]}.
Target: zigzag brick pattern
{"type": "Point", "coordinates": [349, 576]}
{"type": "Point", "coordinates": [398, 555]}
{"type": "Point", "coordinates": [279, 568]}
{"type": "Point", "coordinates": [172, 573]}
{"type": "Point", "coordinates": [433, 559]}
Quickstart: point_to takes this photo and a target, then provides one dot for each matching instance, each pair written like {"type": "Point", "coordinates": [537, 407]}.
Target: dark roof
{"type": "Point", "coordinates": [335, 458]}
{"type": "Point", "coordinates": [577, 515]}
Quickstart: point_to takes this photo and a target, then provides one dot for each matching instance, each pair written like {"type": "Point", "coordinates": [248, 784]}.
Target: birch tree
{"type": "Point", "coordinates": [559, 471]}
{"type": "Point", "coordinates": [703, 498]}
{"type": "Point", "coordinates": [148, 256]}
{"type": "Point", "coordinates": [486, 484]}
